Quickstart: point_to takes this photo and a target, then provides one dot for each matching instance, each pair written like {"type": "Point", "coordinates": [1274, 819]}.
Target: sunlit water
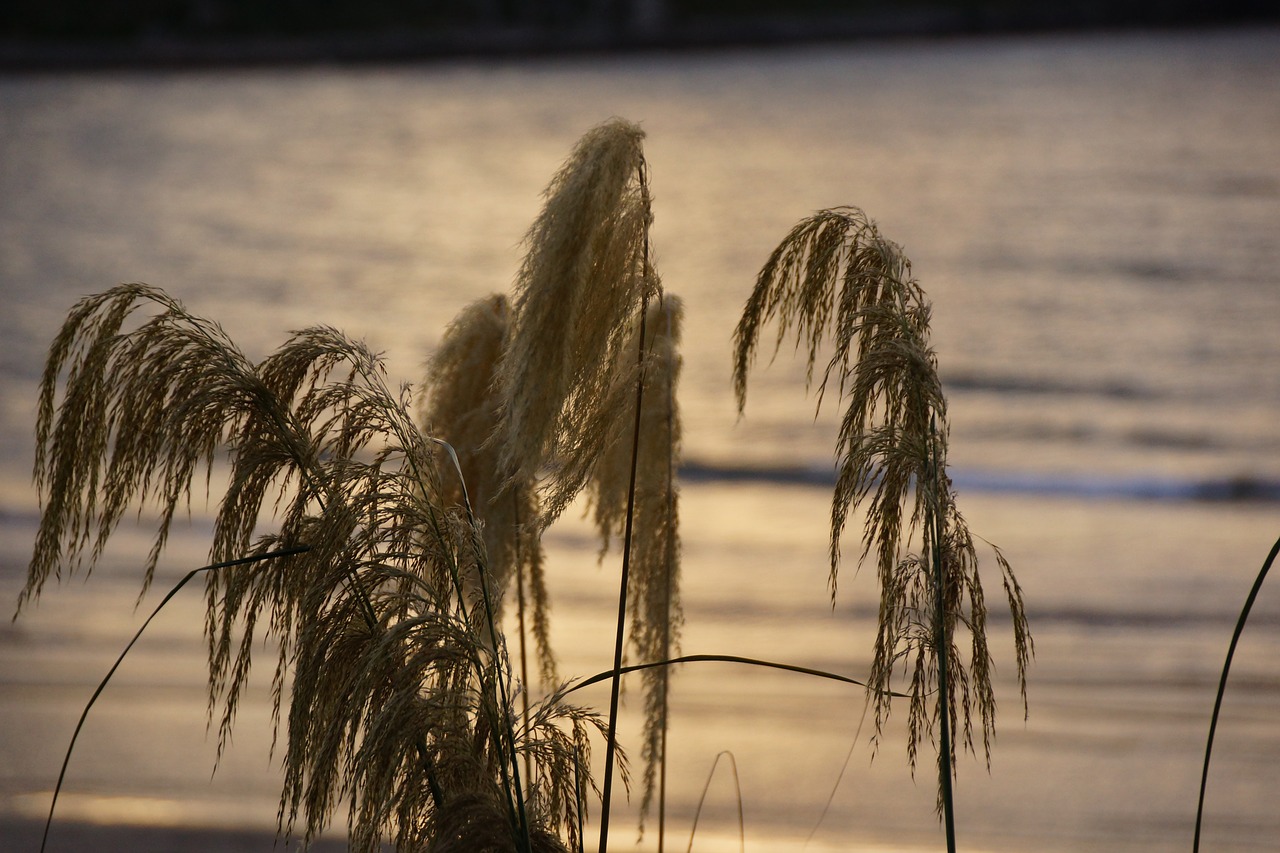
{"type": "Point", "coordinates": [1095, 219]}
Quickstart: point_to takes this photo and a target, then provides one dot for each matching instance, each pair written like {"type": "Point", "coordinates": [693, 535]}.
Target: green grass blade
{"type": "Point", "coordinates": [1222, 684]}
{"type": "Point", "coordinates": [62, 774]}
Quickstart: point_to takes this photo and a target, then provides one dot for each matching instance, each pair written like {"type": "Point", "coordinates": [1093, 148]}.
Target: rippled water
{"type": "Point", "coordinates": [1094, 217]}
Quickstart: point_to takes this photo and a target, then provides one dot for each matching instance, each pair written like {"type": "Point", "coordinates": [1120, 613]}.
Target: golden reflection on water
{"type": "Point", "coordinates": [110, 809]}
{"type": "Point", "coordinates": [1127, 658]}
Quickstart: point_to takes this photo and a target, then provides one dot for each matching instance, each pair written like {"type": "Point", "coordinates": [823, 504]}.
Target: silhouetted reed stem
{"type": "Point", "coordinates": [943, 640]}
{"type": "Point", "coordinates": [612, 746]}
{"type": "Point", "coordinates": [1222, 684]}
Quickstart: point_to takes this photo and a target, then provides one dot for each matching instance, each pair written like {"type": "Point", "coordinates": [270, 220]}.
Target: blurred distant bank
{"type": "Point", "coordinates": [87, 33]}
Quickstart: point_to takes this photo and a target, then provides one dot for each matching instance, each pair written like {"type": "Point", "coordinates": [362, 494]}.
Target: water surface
{"type": "Point", "coordinates": [1094, 218]}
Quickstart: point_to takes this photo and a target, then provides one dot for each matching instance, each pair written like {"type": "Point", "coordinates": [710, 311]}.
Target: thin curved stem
{"type": "Point", "coordinates": [786, 667]}
{"type": "Point", "coordinates": [1222, 684]}
{"type": "Point", "coordinates": [62, 774]}
{"type": "Point", "coordinates": [737, 785]}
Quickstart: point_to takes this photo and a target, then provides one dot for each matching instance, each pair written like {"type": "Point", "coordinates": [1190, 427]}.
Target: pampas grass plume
{"type": "Point", "coordinates": [584, 277]}
{"type": "Point", "coordinates": [835, 277]}
{"type": "Point", "coordinates": [460, 405]}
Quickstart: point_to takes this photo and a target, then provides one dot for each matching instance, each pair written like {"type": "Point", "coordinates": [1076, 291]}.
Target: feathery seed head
{"type": "Point", "coordinates": [460, 405]}
{"type": "Point", "coordinates": [835, 277]}
{"type": "Point", "coordinates": [585, 274]}
{"type": "Point", "coordinates": [395, 678]}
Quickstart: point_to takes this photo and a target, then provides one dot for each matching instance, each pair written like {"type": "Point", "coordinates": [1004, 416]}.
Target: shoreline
{"type": "Point", "coordinates": [170, 51]}
{"type": "Point", "coordinates": [19, 833]}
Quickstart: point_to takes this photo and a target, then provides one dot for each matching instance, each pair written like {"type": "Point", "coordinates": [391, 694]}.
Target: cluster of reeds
{"type": "Point", "coordinates": [377, 542]}
{"type": "Point", "coordinates": [399, 700]}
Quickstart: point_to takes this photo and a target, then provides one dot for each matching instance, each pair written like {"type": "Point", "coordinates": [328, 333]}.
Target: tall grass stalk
{"type": "Point", "coordinates": [556, 405]}
{"type": "Point", "coordinates": [565, 378]}
{"type": "Point", "coordinates": [615, 683]}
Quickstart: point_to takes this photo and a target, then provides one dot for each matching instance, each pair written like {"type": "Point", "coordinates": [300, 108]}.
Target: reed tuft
{"type": "Point", "coordinates": [394, 534]}
{"type": "Point", "coordinates": [835, 278]}
{"type": "Point", "coordinates": [394, 685]}
{"type": "Point", "coordinates": [460, 405]}
{"type": "Point", "coordinates": [584, 277]}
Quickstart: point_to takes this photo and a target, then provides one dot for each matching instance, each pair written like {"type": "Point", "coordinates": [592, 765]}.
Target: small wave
{"type": "Point", "coordinates": [1150, 618]}
{"type": "Point", "coordinates": [1090, 486]}
{"type": "Point", "coordinates": [702, 472]}
{"type": "Point", "coordinates": [1133, 487]}
{"type": "Point", "coordinates": [1043, 385]}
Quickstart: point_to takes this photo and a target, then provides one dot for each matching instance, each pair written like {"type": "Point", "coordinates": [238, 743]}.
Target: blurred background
{"type": "Point", "coordinates": [37, 32]}
{"type": "Point", "coordinates": [1089, 193]}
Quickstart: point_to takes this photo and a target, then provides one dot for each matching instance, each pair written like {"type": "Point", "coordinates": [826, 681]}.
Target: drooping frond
{"type": "Point", "coordinates": [835, 276]}
{"type": "Point", "coordinates": [139, 414]}
{"type": "Point", "coordinates": [558, 740]}
{"type": "Point", "coordinates": [835, 279]}
{"type": "Point", "coordinates": [653, 601]}
{"type": "Point", "coordinates": [584, 277]}
{"type": "Point", "coordinates": [460, 405]}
